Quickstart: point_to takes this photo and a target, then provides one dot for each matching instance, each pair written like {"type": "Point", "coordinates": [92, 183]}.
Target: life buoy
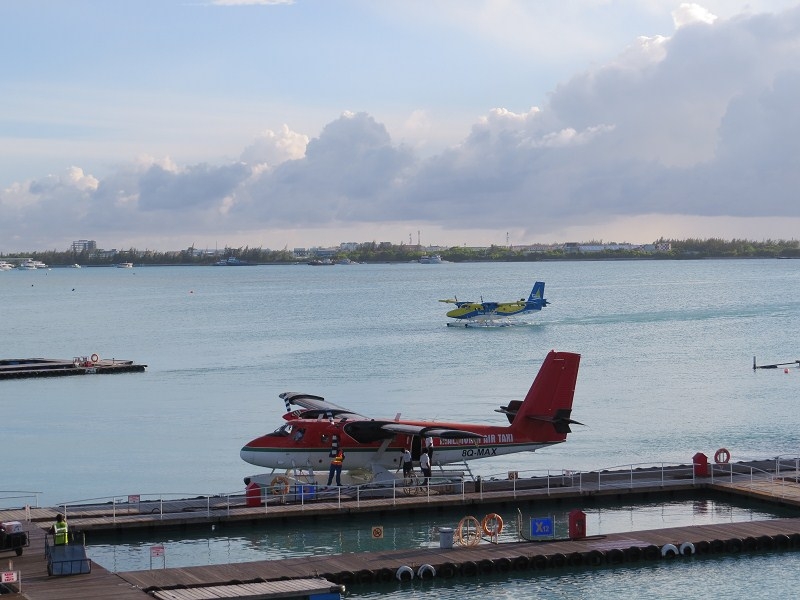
{"type": "Point", "coordinates": [279, 486]}
{"type": "Point", "coordinates": [404, 573]}
{"type": "Point", "coordinates": [95, 358]}
{"type": "Point", "coordinates": [468, 532]}
{"type": "Point", "coordinates": [426, 571]}
{"type": "Point", "coordinates": [492, 524]}
{"type": "Point", "coordinates": [722, 456]}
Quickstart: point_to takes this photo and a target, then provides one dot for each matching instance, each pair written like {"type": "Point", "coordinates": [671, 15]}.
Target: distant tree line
{"type": "Point", "coordinates": [379, 253]}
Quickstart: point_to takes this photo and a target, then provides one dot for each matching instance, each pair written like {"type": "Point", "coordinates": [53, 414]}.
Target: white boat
{"type": "Point", "coordinates": [27, 265]}
{"type": "Point", "coordinates": [125, 265]}
{"type": "Point", "coordinates": [5, 266]}
{"type": "Point", "coordinates": [433, 259]}
{"type": "Point", "coordinates": [75, 266]}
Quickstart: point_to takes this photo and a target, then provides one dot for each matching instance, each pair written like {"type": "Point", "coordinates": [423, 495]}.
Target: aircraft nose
{"type": "Point", "coordinates": [248, 455]}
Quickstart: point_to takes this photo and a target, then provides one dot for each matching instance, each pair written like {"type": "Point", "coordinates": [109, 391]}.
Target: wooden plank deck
{"type": "Point", "coordinates": [346, 568]}
{"type": "Point", "coordinates": [350, 569]}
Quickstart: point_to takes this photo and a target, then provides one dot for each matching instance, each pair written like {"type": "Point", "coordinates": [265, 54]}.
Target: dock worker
{"type": "Point", "coordinates": [60, 530]}
{"type": "Point", "coordinates": [336, 468]}
{"type": "Point", "coordinates": [429, 446]}
{"type": "Point", "coordinates": [425, 466]}
{"type": "Point", "coordinates": [407, 463]}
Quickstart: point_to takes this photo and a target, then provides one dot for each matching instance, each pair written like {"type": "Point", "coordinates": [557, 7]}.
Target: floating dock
{"type": "Point", "coordinates": [20, 368]}
{"type": "Point", "coordinates": [772, 482]}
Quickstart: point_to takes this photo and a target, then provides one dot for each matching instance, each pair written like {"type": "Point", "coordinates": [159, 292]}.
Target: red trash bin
{"type": "Point", "coordinates": [700, 462]}
{"type": "Point", "coordinates": [577, 524]}
{"type": "Point", "coordinates": [252, 494]}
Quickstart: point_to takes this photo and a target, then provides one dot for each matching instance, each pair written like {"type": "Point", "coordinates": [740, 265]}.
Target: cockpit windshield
{"type": "Point", "coordinates": [283, 430]}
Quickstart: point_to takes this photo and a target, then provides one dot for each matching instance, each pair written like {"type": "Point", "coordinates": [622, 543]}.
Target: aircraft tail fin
{"type": "Point", "coordinates": [536, 299]}
{"type": "Point", "coordinates": [549, 400]}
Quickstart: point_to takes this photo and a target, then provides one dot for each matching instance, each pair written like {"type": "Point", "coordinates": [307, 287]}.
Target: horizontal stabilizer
{"type": "Point", "coordinates": [511, 410]}
{"type": "Point", "coordinates": [561, 420]}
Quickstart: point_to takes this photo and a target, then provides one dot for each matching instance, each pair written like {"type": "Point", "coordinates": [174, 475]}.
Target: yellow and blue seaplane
{"type": "Point", "coordinates": [483, 314]}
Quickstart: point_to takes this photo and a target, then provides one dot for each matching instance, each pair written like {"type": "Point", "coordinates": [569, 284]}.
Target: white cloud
{"type": "Point", "coordinates": [688, 13]}
{"type": "Point", "coordinates": [682, 129]}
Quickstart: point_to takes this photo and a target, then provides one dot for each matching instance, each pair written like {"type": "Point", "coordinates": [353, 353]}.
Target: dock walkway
{"type": "Point", "coordinates": [777, 484]}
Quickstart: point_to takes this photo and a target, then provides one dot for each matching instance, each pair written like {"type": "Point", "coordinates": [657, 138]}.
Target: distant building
{"type": "Point", "coordinates": [84, 246]}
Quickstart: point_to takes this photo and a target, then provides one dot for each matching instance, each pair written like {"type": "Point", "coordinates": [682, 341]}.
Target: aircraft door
{"type": "Point", "coordinates": [416, 444]}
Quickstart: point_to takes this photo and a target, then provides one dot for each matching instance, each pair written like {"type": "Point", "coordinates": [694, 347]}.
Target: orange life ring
{"type": "Point", "coordinates": [722, 456]}
{"type": "Point", "coordinates": [279, 486]}
{"type": "Point", "coordinates": [95, 358]}
{"type": "Point", "coordinates": [492, 524]}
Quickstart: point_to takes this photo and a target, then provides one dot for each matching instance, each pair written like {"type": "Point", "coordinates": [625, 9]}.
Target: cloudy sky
{"type": "Point", "coordinates": [164, 123]}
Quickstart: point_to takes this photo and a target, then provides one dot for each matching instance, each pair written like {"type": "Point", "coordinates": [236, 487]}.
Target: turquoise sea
{"type": "Point", "coordinates": [667, 350]}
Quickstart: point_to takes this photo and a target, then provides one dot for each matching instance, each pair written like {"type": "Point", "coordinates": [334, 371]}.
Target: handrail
{"type": "Point", "coordinates": [21, 494]}
{"type": "Point", "coordinates": [618, 477]}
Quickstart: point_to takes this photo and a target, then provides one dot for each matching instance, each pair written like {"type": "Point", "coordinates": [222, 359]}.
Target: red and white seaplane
{"type": "Point", "coordinates": [315, 432]}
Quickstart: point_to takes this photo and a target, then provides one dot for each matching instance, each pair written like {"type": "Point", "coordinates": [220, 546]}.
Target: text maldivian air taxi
{"type": "Point", "coordinates": [469, 312]}
{"type": "Point", "coordinates": [318, 429]}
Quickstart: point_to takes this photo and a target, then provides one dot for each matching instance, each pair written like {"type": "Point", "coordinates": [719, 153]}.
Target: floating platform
{"type": "Point", "coordinates": [20, 368]}
{"type": "Point", "coordinates": [774, 482]}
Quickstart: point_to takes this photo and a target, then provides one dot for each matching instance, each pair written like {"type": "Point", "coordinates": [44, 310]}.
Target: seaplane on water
{"type": "Point", "coordinates": [315, 431]}
{"type": "Point", "coordinates": [495, 313]}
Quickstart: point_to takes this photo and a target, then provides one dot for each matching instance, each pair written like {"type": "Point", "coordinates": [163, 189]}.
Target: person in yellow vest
{"type": "Point", "coordinates": [336, 468]}
{"type": "Point", "coordinates": [60, 531]}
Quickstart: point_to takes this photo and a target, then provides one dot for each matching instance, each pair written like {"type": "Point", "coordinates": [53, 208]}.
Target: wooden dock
{"type": "Point", "coordinates": [353, 569]}
{"type": "Point", "coordinates": [20, 368]}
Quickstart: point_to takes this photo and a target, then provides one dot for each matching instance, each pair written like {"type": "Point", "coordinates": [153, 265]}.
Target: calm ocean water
{"type": "Point", "coordinates": [666, 371]}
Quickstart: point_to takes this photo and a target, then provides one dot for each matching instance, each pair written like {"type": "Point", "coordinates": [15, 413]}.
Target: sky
{"type": "Point", "coordinates": [162, 124]}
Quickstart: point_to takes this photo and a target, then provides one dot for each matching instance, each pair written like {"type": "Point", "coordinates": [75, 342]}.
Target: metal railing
{"type": "Point", "coordinates": [628, 477]}
{"type": "Point", "coordinates": [20, 495]}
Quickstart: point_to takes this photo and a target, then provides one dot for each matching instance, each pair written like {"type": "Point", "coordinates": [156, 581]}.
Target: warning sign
{"type": "Point", "coordinates": [377, 532]}
{"type": "Point", "coordinates": [9, 577]}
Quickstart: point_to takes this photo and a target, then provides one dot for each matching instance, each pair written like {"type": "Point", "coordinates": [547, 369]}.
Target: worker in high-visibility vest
{"type": "Point", "coordinates": [60, 531]}
{"type": "Point", "coordinates": [336, 468]}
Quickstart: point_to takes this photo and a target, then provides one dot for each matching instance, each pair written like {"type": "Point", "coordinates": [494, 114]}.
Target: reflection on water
{"type": "Point", "coordinates": [314, 537]}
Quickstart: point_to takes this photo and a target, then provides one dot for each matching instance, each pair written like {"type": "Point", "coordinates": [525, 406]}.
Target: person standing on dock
{"type": "Point", "coordinates": [408, 463]}
{"type": "Point", "coordinates": [336, 468]}
{"type": "Point", "coordinates": [429, 446]}
{"type": "Point", "coordinates": [425, 465]}
{"type": "Point", "coordinates": [60, 530]}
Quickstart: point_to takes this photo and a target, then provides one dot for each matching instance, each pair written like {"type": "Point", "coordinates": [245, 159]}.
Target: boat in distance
{"type": "Point", "coordinates": [318, 429]}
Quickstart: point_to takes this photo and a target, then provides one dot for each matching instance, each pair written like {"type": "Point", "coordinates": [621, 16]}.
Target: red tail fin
{"type": "Point", "coordinates": [550, 398]}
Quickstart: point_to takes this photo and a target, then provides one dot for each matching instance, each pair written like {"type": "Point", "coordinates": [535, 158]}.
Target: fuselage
{"type": "Point", "coordinates": [282, 449]}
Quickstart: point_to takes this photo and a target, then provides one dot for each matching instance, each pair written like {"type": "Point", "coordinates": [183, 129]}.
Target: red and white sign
{"type": "Point", "coordinates": [156, 551]}
{"type": "Point", "coordinates": [133, 499]}
{"type": "Point", "coordinates": [9, 577]}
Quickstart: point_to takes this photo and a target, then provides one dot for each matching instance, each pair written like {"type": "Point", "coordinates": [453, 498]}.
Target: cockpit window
{"type": "Point", "coordinates": [283, 430]}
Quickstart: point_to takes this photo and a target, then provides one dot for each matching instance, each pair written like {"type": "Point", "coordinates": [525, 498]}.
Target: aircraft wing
{"type": "Point", "coordinates": [432, 431]}
{"type": "Point", "coordinates": [317, 406]}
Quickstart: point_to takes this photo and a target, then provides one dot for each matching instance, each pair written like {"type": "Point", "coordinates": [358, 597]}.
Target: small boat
{"type": "Point", "coordinates": [232, 261]}
{"type": "Point", "coordinates": [27, 265]}
{"type": "Point", "coordinates": [75, 266]}
{"type": "Point", "coordinates": [321, 263]}
{"type": "Point", "coordinates": [5, 266]}
{"type": "Point", "coordinates": [433, 259]}
{"type": "Point", "coordinates": [125, 265]}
